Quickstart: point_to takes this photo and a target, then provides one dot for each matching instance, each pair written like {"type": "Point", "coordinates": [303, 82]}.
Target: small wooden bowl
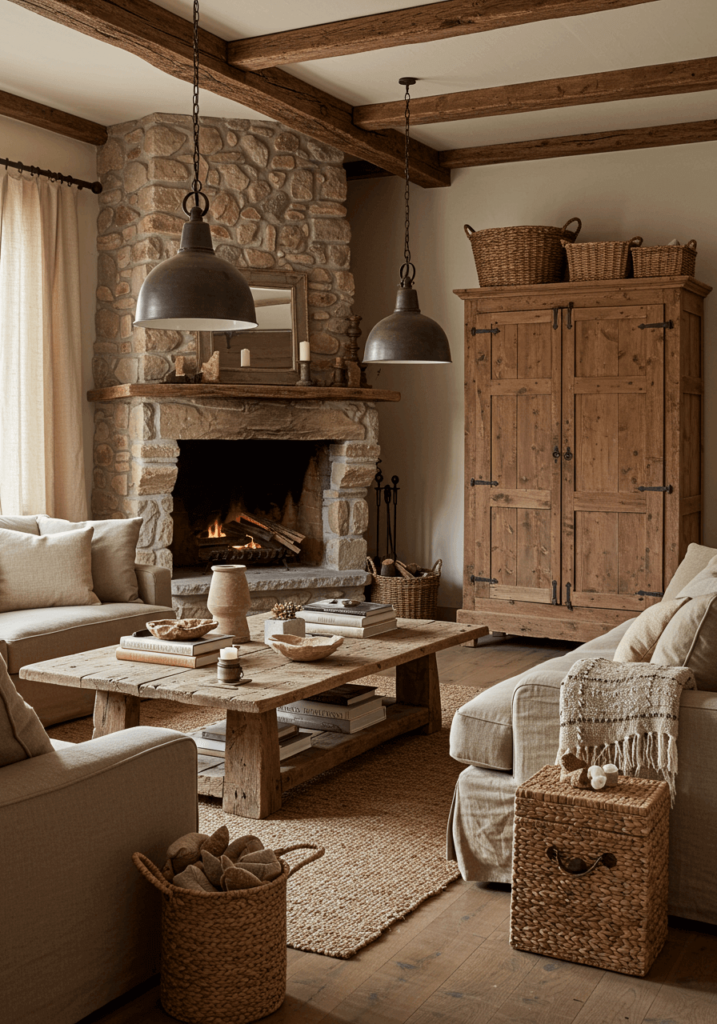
{"type": "Point", "coordinates": [304, 648]}
{"type": "Point", "coordinates": [181, 629]}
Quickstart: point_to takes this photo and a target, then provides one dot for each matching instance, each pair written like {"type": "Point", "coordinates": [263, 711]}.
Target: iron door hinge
{"type": "Point", "coordinates": [485, 330]}
{"type": "Point", "coordinates": [650, 593]}
{"type": "Point", "coordinates": [555, 592]}
{"type": "Point", "coordinates": [482, 579]}
{"type": "Point", "coordinates": [666, 324]}
{"type": "Point", "coordinates": [486, 483]}
{"type": "Point", "coordinates": [568, 603]}
{"type": "Point", "coordinates": [667, 489]}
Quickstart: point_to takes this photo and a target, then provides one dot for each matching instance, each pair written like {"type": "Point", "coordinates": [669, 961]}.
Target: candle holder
{"type": "Point", "coordinates": [229, 671]}
{"type": "Point", "coordinates": [305, 380]}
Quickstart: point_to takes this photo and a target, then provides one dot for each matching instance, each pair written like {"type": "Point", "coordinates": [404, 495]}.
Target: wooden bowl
{"type": "Point", "coordinates": [181, 629]}
{"type": "Point", "coordinates": [304, 648]}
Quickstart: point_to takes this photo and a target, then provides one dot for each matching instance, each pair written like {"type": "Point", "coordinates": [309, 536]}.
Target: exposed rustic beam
{"type": "Point", "coordinates": [526, 97]}
{"type": "Point", "coordinates": [576, 145]}
{"type": "Point", "coordinates": [357, 170]}
{"type": "Point", "coordinates": [53, 120]}
{"type": "Point", "coordinates": [400, 28]}
{"type": "Point", "coordinates": [165, 40]}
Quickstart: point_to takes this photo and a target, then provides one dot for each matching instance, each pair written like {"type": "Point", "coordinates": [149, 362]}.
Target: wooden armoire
{"type": "Point", "coordinates": [583, 460]}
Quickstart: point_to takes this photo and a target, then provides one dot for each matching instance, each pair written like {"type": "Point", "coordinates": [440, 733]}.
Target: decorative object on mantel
{"type": "Point", "coordinates": [356, 370]}
{"type": "Point", "coordinates": [310, 648]}
{"type": "Point", "coordinates": [527, 254]}
{"type": "Point", "coordinates": [673, 260]}
{"type": "Point", "coordinates": [181, 629]}
{"type": "Point", "coordinates": [413, 597]}
{"type": "Point", "coordinates": [210, 370]}
{"type": "Point", "coordinates": [305, 380]}
{"type": "Point", "coordinates": [600, 261]}
{"type": "Point", "coordinates": [284, 621]}
{"type": "Point", "coordinates": [64, 179]}
{"type": "Point", "coordinates": [195, 290]}
{"type": "Point", "coordinates": [229, 600]}
{"type": "Point", "coordinates": [407, 336]}
{"type": "Point", "coordinates": [340, 378]}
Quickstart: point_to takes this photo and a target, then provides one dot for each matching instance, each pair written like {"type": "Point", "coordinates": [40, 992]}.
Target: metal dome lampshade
{"type": "Point", "coordinates": [407, 336]}
{"type": "Point", "coordinates": [196, 290]}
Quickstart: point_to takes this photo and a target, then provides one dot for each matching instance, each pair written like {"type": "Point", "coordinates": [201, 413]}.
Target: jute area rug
{"type": "Point", "coordinates": [381, 817]}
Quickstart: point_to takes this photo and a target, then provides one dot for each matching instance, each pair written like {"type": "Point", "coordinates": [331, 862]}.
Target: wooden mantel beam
{"type": "Point", "coordinates": [53, 120]}
{"type": "Point", "coordinates": [165, 40]}
{"type": "Point", "coordinates": [400, 28]}
{"type": "Point", "coordinates": [577, 145]}
{"type": "Point", "coordinates": [525, 97]}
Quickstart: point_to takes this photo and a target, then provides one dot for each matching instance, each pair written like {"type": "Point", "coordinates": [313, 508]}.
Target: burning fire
{"type": "Point", "coordinates": [215, 530]}
{"type": "Point", "coordinates": [252, 544]}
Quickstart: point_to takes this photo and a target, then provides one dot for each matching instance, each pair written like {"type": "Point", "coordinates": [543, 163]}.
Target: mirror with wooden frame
{"type": "Point", "coordinates": [281, 301]}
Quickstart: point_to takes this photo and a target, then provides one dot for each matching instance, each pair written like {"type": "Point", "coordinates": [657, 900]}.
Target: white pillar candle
{"type": "Point", "coordinates": [611, 774]}
{"type": "Point", "coordinates": [245, 357]}
{"type": "Point", "coordinates": [304, 352]}
{"type": "Point", "coordinates": [229, 654]}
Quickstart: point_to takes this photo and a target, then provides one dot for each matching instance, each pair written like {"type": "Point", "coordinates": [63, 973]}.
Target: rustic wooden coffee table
{"type": "Point", "coordinates": [250, 779]}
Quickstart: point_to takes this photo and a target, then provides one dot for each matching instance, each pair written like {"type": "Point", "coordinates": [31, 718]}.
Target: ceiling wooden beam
{"type": "Point", "coordinates": [401, 28]}
{"type": "Point", "coordinates": [577, 145]}
{"type": "Point", "coordinates": [526, 97]}
{"type": "Point", "coordinates": [53, 120]}
{"type": "Point", "coordinates": [165, 40]}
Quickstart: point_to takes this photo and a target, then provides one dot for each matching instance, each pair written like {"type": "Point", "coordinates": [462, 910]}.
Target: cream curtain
{"type": "Point", "coordinates": [41, 460]}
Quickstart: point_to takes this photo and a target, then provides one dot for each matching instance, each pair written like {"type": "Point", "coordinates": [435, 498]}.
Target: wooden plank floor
{"type": "Point", "coordinates": [450, 962]}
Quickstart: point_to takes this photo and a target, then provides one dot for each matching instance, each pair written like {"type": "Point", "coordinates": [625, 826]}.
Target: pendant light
{"type": "Point", "coordinates": [196, 290]}
{"type": "Point", "coordinates": [407, 336]}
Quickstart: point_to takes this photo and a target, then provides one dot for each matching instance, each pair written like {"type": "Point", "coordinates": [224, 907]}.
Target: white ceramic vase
{"type": "Point", "coordinates": [229, 600]}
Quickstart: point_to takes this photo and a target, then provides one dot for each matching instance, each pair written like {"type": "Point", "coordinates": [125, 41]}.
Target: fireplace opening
{"type": "Point", "coordinates": [257, 503]}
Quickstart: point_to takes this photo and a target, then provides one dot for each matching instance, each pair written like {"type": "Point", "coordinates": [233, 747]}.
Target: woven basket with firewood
{"type": "Point", "coordinates": [414, 594]}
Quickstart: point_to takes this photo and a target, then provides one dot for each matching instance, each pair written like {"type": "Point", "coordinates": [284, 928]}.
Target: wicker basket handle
{"type": "Point", "coordinates": [692, 244]}
{"type": "Point", "coordinates": [437, 566]}
{"type": "Point", "coordinates": [578, 229]}
{"type": "Point", "coordinates": [469, 231]}
{"type": "Point", "coordinates": [576, 866]}
{"type": "Point", "coordinates": [152, 873]}
{"type": "Point", "coordinates": [636, 241]}
{"type": "Point", "coordinates": [319, 851]}
{"type": "Point", "coordinates": [373, 567]}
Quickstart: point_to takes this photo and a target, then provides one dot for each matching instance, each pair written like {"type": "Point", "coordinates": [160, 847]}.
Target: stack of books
{"type": "Point", "coordinates": [142, 646]}
{"type": "Point", "coordinates": [332, 618]}
{"type": "Point", "coordinates": [211, 739]}
{"type": "Point", "coordinates": [348, 708]}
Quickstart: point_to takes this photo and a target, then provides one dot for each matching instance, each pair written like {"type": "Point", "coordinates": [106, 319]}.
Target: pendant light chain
{"type": "Point", "coordinates": [196, 184]}
{"type": "Point", "coordinates": [406, 246]}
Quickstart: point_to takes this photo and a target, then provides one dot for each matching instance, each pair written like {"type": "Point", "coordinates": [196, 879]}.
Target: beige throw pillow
{"type": "Point", "coordinates": [114, 549]}
{"type": "Point", "coordinates": [703, 583]}
{"type": "Point", "coordinates": [690, 640]}
{"type": "Point", "coordinates": [640, 640]}
{"type": "Point", "coordinates": [21, 732]}
{"type": "Point", "coordinates": [695, 560]}
{"type": "Point", "coordinates": [45, 572]}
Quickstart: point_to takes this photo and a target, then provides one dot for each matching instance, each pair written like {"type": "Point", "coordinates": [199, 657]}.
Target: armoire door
{"type": "Point", "coordinates": [612, 456]}
{"type": "Point", "coordinates": [513, 476]}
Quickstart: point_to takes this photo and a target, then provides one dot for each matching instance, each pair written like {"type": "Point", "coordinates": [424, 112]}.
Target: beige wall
{"type": "Point", "coordinates": [29, 145]}
{"type": "Point", "coordinates": [658, 193]}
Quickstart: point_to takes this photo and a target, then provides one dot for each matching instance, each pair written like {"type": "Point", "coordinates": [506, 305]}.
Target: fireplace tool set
{"type": "Point", "coordinates": [387, 495]}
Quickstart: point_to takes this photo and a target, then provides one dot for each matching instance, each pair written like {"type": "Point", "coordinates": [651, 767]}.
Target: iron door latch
{"type": "Point", "coordinates": [666, 324]}
{"type": "Point", "coordinates": [650, 593]}
{"type": "Point", "coordinates": [568, 603]}
{"type": "Point", "coordinates": [485, 330]}
{"type": "Point", "coordinates": [569, 322]}
{"type": "Point", "coordinates": [667, 489]}
{"type": "Point", "coordinates": [482, 579]}
{"type": "Point", "coordinates": [486, 483]}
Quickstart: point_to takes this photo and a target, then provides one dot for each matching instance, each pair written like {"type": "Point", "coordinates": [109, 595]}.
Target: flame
{"type": "Point", "coordinates": [215, 530]}
{"type": "Point", "coordinates": [252, 544]}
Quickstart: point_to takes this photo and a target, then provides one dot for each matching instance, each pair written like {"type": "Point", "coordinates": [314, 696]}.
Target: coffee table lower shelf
{"type": "Point", "coordinates": [332, 748]}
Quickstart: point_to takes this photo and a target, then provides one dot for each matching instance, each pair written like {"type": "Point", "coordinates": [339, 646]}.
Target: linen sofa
{"type": "Point", "coordinates": [508, 732]}
{"type": "Point", "coordinates": [80, 926]}
{"type": "Point", "coordinates": [37, 634]}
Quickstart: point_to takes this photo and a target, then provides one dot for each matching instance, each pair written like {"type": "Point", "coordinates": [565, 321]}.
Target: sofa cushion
{"type": "Point", "coordinates": [37, 634]}
{"type": "Point", "coordinates": [114, 547]}
{"type": "Point", "coordinates": [23, 524]}
{"type": "Point", "coordinates": [690, 640]}
{"type": "Point", "coordinates": [21, 734]}
{"type": "Point", "coordinates": [42, 572]}
{"type": "Point", "coordinates": [482, 730]}
{"type": "Point", "coordinates": [644, 632]}
{"type": "Point", "coordinates": [697, 558]}
{"type": "Point", "coordinates": [703, 583]}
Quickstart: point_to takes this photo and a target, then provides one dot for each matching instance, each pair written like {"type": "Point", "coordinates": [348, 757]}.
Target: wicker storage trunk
{"type": "Point", "coordinates": [590, 872]}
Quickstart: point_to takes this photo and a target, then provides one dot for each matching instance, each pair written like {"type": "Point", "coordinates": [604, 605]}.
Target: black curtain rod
{"type": "Point", "coordinates": [66, 179]}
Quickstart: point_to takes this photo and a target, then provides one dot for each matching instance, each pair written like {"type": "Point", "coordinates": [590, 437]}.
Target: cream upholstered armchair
{"type": "Point", "coordinates": [129, 595]}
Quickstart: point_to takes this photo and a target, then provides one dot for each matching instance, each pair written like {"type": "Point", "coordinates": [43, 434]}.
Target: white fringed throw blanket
{"type": "Point", "coordinates": [624, 714]}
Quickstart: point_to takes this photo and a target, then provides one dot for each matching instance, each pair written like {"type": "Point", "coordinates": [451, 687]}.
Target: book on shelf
{"type": "Point", "coordinates": [332, 711]}
{"type": "Point", "coordinates": [364, 609]}
{"type": "Point", "coordinates": [291, 745]}
{"type": "Point", "coordinates": [292, 740]}
{"type": "Point", "coordinates": [216, 732]}
{"type": "Point", "coordinates": [357, 632]}
{"type": "Point", "coordinates": [354, 621]}
{"type": "Point", "coordinates": [350, 725]}
{"type": "Point", "coordinates": [346, 694]}
{"type": "Point", "coordinates": [160, 658]}
{"type": "Point", "coordinates": [144, 641]}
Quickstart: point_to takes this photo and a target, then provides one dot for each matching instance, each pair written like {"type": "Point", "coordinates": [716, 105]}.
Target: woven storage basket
{"type": "Point", "coordinates": [600, 261]}
{"type": "Point", "coordinates": [413, 597]}
{"type": "Point", "coordinates": [520, 255]}
{"type": "Point", "coordinates": [567, 901]}
{"type": "Point", "coordinates": [666, 260]}
{"type": "Point", "coordinates": [223, 953]}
